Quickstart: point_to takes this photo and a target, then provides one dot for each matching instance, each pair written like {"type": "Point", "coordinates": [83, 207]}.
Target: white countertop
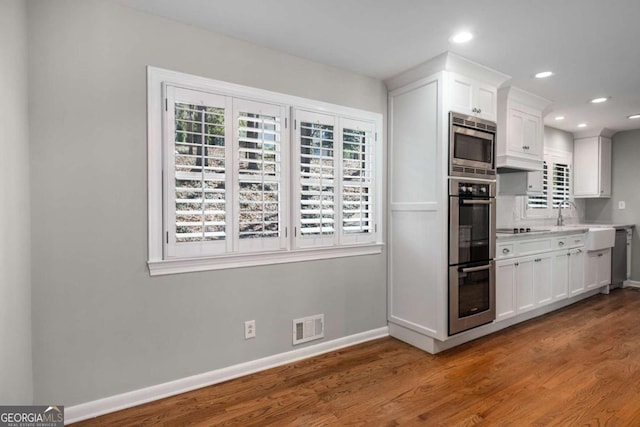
{"type": "Point", "coordinates": [544, 231]}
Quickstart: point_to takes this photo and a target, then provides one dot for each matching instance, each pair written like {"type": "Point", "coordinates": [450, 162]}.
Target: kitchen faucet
{"type": "Point", "coordinates": [560, 220]}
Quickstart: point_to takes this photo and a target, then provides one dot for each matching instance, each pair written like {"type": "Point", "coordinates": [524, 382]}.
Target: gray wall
{"type": "Point", "coordinates": [15, 282]}
{"type": "Point", "coordinates": [101, 325]}
{"type": "Point", "coordinates": [625, 184]}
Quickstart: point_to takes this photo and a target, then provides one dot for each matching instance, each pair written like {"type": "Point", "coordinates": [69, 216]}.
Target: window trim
{"type": "Point", "coordinates": [157, 263]}
{"type": "Point", "coordinates": [550, 211]}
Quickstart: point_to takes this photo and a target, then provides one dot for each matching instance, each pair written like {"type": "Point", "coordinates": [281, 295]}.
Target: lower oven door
{"type": "Point", "coordinates": [472, 296]}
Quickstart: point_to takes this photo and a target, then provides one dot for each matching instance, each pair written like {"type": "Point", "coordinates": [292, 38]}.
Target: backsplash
{"type": "Point", "coordinates": [510, 213]}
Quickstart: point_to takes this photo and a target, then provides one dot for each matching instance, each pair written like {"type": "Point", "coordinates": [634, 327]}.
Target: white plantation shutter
{"type": "Point", "coordinates": [197, 204]}
{"type": "Point", "coordinates": [357, 181]}
{"type": "Point", "coordinates": [560, 184]}
{"type": "Point", "coordinates": [316, 179]}
{"type": "Point", "coordinates": [556, 184]}
{"type": "Point", "coordinates": [234, 182]}
{"type": "Point", "coordinates": [539, 201]}
{"type": "Point", "coordinates": [260, 206]}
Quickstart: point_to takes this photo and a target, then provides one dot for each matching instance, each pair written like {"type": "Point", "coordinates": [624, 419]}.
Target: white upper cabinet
{"type": "Point", "coordinates": [520, 129]}
{"type": "Point", "coordinates": [472, 97]}
{"type": "Point", "coordinates": [592, 167]}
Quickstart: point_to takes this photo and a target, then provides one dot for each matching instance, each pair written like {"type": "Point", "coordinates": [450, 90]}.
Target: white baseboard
{"type": "Point", "coordinates": [630, 284]}
{"type": "Point", "coordinates": [110, 404]}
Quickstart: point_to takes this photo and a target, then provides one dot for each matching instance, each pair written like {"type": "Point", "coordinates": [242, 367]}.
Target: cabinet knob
{"type": "Point", "coordinates": [561, 243]}
{"type": "Point", "coordinates": [600, 255]}
{"type": "Point", "coordinates": [505, 251]}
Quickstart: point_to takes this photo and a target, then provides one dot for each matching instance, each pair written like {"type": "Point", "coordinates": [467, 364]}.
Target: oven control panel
{"type": "Point", "coordinates": [474, 189]}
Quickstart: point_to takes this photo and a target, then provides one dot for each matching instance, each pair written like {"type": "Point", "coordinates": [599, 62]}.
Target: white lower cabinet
{"type": "Point", "coordinates": [598, 269]}
{"type": "Point", "coordinates": [523, 284]}
{"type": "Point", "coordinates": [505, 289]}
{"type": "Point", "coordinates": [568, 273]}
{"type": "Point", "coordinates": [576, 271]}
{"type": "Point", "coordinates": [560, 279]}
{"type": "Point", "coordinates": [542, 279]}
{"type": "Point", "coordinates": [528, 282]}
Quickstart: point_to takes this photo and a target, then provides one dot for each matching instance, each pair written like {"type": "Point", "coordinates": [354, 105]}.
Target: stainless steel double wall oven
{"type": "Point", "coordinates": [472, 222]}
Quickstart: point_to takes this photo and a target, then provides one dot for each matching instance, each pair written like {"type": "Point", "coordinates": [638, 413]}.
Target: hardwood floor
{"type": "Point", "coordinates": [577, 366]}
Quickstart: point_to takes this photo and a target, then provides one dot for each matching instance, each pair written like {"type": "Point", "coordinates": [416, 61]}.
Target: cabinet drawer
{"type": "Point", "coordinates": [533, 246]}
{"type": "Point", "coordinates": [565, 242]}
{"type": "Point", "coordinates": [505, 250]}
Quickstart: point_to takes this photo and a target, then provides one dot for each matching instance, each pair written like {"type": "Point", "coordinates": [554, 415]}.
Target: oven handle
{"type": "Point", "coordinates": [472, 269]}
{"type": "Point", "coordinates": [476, 202]}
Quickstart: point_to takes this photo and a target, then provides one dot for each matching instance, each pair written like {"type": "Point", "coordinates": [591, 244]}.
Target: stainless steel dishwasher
{"type": "Point", "coordinates": [619, 260]}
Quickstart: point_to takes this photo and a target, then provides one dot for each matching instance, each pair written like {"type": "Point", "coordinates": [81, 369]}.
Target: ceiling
{"type": "Point", "coordinates": [590, 45]}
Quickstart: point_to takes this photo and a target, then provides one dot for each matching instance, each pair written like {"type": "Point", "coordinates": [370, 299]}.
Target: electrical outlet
{"type": "Point", "coordinates": [621, 204]}
{"type": "Point", "coordinates": [249, 329]}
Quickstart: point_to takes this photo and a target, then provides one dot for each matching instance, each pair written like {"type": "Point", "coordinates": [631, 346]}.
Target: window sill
{"type": "Point", "coordinates": [164, 267]}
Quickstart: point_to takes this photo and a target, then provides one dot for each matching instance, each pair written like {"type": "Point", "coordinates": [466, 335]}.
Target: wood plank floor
{"type": "Point", "coordinates": [577, 366]}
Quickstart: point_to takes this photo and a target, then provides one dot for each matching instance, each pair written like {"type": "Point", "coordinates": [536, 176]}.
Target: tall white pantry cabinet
{"type": "Point", "coordinates": [419, 102]}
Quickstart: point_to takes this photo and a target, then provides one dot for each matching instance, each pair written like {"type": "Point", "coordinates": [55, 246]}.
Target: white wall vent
{"type": "Point", "coordinates": [308, 329]}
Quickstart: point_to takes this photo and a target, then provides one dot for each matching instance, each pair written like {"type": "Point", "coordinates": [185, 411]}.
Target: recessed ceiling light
{"type": "Point", "coordinates": [559, 117]}
{"type": "Point", "coordinates": [582, 125]}
{"type": "Point", "coordinates": [543, 74]}
{"type": "Point", "coordinates": [461, 37]}
{"type": "Point", "coordinates": [634, 116]}
{"type": "Point", "coordinates": [598, 100]}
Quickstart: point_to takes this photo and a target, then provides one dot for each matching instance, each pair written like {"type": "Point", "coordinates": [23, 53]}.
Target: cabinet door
{"type": "Point", "coordinates": [560, 277]}
{"type": "Point", "coordinates": [505, 289]}
{"type": "Point", "coordinates": [592, 167]}
{"type": "Point", "coordinates": [605, 167]}
{"type": "Point", "coordinates": [472, 97]}
{"type": "Point", "coordinates": [485, 100]}
{"type": "Point", "coordinates": [525, 295]}
{"type": "Point", "coordinates": [604, 267]}
{"type": "Point", "coordinates": [524, 130]}
{"type": "Point", "coordinates": [461, 94]}
{"type": "Point", "coordinates": [576, 272]}
{"type": "Point", "coordinates": [591, 270]}
{"type": "Point", "coordinates": [532, 135]}
{"type": "Point", "coordinates": [585, 161]}
{"type": "Point", "coordinates": [542, 279]}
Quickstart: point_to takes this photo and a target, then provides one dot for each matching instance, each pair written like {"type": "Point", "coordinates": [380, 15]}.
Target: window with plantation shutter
{"type": "Point", "coordinates": [240, 176]}
{"type": "Point", "coordinates": [560, 183]}
{"type": "Point", "coordinates": [556, 184]}
{"type": "Point", "coordinates": [539, 201]}
{"type": "Point", "coordinates": [260, 175]}
{"type": "Point", "coordinates": [335, 180]}
{"type": "Point", "coordinates": [197, 207]}
{"type": "Point", "coordinates": [357, 191]}
{"type": "Point", "coordinates": [316, 216]}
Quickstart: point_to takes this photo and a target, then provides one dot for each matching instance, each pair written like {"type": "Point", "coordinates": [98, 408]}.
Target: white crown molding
{"type": "Point", "coordinates": [118, 402]}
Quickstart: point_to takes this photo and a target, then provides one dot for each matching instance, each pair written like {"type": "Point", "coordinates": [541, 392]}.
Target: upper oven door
{"type": "Point", "coordinates": [472, 228]}
{"type": "Point", "coordinates": [471, 148]}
